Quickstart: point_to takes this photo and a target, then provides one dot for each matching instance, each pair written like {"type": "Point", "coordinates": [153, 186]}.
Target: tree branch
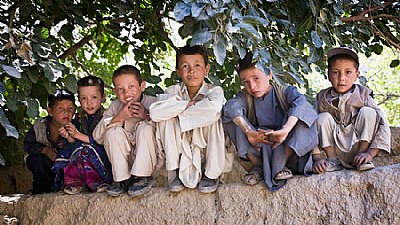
{"type": "Point", "coordinates": [384, 36]}
{"type": "Point", "coordinates": [11, 11]}
{"type": "Point", "coordinates": [164, 34]}
{"type": "Point", "coordinates": [362, 17]}
{"type": "Point", "coordinates": [72, 50]}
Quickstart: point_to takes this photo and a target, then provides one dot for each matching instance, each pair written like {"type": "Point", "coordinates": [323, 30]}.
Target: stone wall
{"type": "Point", "coordinates": [343, 197]}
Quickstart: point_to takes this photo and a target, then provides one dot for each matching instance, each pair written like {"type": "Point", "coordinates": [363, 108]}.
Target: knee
{"type": "Point", "coordinates": [113, 133]}
{"type": "Point", "coordinates": [324, 119]}
{"type": "Point", "coordinates": [145, 130]}
{"type": "Point", "coordinates": [367, 113]}
{"type": "Point", "coordinates": [38, 163]}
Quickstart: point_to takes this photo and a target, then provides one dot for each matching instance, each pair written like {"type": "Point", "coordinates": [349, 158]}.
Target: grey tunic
{"type": "Point", "coordinates": [270, 115]}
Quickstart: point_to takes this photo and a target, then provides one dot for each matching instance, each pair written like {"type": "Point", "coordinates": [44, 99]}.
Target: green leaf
{"type": "Point", "coordinates": [154, 91]}
{"type": "Point", "coordinates": [2, 88]}
{"type": "Point", "coordinates": [219, 48]}
{"type": "Point", "coordinates": [316, 39]}
{"type": "Point", "coordinates": [32, 106]}
{"type": "Point", "coordinates": [200, 37]}
{"type": "Point", "coordinates": [377, 49]}
{"type": "Point", "coordinates": [43, 49]}
{"type": "Point", "coordinates": [181, 10]}
{"type": "Point", "coordinates": [249, 30]}
{"type": "Point", "coordinates": [10, 130]}
{"type": "Point", "coordinates": [196, 9]}
{"type": "Point", "coordinates": [70, 82]}
{"type": "Point", "coordinates": [153, 79]}
{"type": "Point", "coordinates": [12, 71]}
{"type": "Point", "coordinates": [394, 63]}
{"type": "Point", "coordinates": [256, 20]}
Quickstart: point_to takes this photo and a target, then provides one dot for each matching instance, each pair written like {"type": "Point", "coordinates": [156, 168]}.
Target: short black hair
{"type": "Point", "coordinates": [128, 69]}
{"type": "Point", "coordinates": [332, 59]}
{"type": "Point", "coordinates": [61, 94]}
{"type": "Point", "coordinates": [91, 81]}
{"type": "Point", "coordinates": [192, 50]}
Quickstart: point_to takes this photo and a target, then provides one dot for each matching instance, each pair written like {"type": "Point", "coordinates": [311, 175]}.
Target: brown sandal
{"type": "Point", "coordinates": [255, 175]}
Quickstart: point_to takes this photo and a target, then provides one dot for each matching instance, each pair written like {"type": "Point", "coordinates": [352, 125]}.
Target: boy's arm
{"type": "Point", "coordinates": [204, 112]}
{"type": "Point", "coordinates": [299, 107]}
{"type": "Point", "coordinates": [382, 136]}
{"type": "Point", "coordinates": [31, 146]}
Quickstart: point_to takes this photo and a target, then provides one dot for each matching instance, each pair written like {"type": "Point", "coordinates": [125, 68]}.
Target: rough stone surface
{"type": "Point", "coordinates": [343, 197]}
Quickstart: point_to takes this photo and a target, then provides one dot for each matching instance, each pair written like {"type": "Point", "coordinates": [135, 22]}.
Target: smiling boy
{"type": "Point", "coordinates": [128, 134]}
{"type": "Point", "coordinates": [352, 129]}
{"type": "Point", "coordinates": [189, 126]}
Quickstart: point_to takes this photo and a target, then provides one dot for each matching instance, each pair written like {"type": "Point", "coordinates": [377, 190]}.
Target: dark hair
{"type": "Point", "coordinates": [246, 63]}
{"type": "Point", "coordinates": [342, 56]}
{"type": "Point", "coordinates": [192, 50]}
{"type": "Point", "coordinates": [128, 69]}
{"type": "Point", "coordinates": [61, 94]}
{"type": "Point", "coordinates": [91, 81]}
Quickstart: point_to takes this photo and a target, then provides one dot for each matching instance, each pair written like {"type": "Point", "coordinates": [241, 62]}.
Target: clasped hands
{"type": "Point", "coordinates": [269, 137]}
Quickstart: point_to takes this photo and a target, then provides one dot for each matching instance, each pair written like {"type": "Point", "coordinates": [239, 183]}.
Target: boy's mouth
{"type": "Point", "coordinates": [129, 99]}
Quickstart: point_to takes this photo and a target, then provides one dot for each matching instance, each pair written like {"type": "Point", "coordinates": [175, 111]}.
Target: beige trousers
{"type": "Point", "coordinates": [345, 139]}
{"type": "Point", "coordinates": [131, 153]}
{"type": "Point", "coordinates": [189, 151]}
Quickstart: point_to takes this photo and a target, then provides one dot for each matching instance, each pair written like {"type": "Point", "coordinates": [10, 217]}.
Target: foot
{"type": "Point", "coordinates": [117, 188]}
{"type": "Point", "coordinates": [72, 190]}
{"type": "Point", "coordinates": [365, 166]}
{"type": "Point", "coordinates": [255, 175]}
{"type": "Point", "coordinates": [141, 186]}
{"type": "Point", "coordinates": [208, 185]}
{"type": "Point", "coordinates": [334, 165]}
{"type": "Point", "coordinates": [102, 188]}
{"type": "Point", "coordinates": [176, 185]}
{"type": "Point", "coordinates": [284, 174]}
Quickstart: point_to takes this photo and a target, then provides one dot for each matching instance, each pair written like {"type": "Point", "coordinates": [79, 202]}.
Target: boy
{"type": "Point", "coordinates": [272, 126]}
{"type": "Point", "coordinates": [189, 126]}
{"type": "Point", "coordinates": [128, 134]}
{"type": "Point", "coordinates": [43, 140]}
{"type": "Point", "coordinates": [82, 162]}
{"type": "Point", "coordinates": [352, 129]}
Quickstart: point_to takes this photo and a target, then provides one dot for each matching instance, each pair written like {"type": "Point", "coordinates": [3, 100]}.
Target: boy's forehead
{"type": "Point", "coordinates": [63, 102]}
{"type": "Point", "coordinates": [342, 62]}
{"type": "Point", "coordinates": [194, 57]}
{"type": "Point", "coordinates": [124, 78]}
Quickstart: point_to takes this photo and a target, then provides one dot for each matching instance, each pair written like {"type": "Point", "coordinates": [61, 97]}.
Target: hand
{"type": "Point", "coordinates": [191, 103]}
{"type": "Point", "coordinates": [63, 132]}
{"type": "Point", "coordinates": [362, 158]}
{"type": "Point", "coordinates": [276, 136]}
{"type": "Point", "coordinates": [51, 153]}
{"type": "Point", "coordinates": [71, 129]}
{"type": "Point", "coordinates": [320, 166]}
{"type": "Point", "coordinates": [138, 111]}
{"type": "Point", "coordinates": [256, 137]}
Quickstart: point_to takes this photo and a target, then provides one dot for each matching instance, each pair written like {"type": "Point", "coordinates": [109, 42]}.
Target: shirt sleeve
{"type": "Point", "coordinates": [102, 126]}
{"type": "Point", "coordinates": [235, 107]}
{"type": "Point", "coordinates": [31, 145]}
{"type": "Point", "coordinates": [299, 107]}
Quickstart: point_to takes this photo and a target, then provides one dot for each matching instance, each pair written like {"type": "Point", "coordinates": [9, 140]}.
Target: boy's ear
{"type": "Point", "coordinates": [49, 111]}
{"type": "Point", "coordinates": [103, 98]}
{"type": "Point", "coordinates": [143, 86]}
{"type": "Point", "coordinates": [207, 69]}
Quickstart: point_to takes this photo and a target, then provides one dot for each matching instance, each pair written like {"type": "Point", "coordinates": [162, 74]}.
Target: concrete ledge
{"type": "Point", "coordinates": [343, 197]}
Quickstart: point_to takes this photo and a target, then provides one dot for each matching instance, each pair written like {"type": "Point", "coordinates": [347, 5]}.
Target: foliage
{"type": "Point", "coordinates": [47, 44]}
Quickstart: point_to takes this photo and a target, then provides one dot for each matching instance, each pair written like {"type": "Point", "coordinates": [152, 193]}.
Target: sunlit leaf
{"type": "Point", "coordinates": [10, 130]}
{"type": "Point", "coordinates": [316, 39]}
{"type": "Point", "coordinates": [249, 30]}
{"type": "Point", "coordinates": [219, 48]}
{"type": "Point", "coordinates": [181, 10]}
{"type": "Point", "coordinates": [196, 9]}
{"type": "Point", "coordinates": [12, 71]}
{"type": "Point", "coordinates": [200, 37]}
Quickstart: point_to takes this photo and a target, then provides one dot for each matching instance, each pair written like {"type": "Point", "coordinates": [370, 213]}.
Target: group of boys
{"type": "Point", "coordinates": [186, 130]}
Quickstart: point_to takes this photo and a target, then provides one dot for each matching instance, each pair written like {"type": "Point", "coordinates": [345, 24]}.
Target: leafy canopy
{"type": "Point", "coordinates": [47, 44]}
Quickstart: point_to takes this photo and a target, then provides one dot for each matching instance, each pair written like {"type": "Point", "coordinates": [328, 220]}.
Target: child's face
{"type": "Point", "coordinates": [342, 74]}
{"type": "Point", "coordinates": [127, 88]}
{"type": "Point", "coordinates": [62, 112]}
{"type": "Point", "coordinates": [192, 70]}
{"type": "Point", "coordinates": [90, 98]}
{"type": "Point", "coordinates": [255, 82]}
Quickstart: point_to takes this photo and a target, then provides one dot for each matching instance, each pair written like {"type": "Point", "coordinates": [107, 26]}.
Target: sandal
{"type": "Point", "coordinates": [102, 188]}
{"type": "Point", "coordinates": [255, 175]}
{"type": "Point", "coordinates": [284, 174]}
{"type": "Point", "coordinates": [72, 190]}
{"type": "Point", "coordinates": [365, 166]}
